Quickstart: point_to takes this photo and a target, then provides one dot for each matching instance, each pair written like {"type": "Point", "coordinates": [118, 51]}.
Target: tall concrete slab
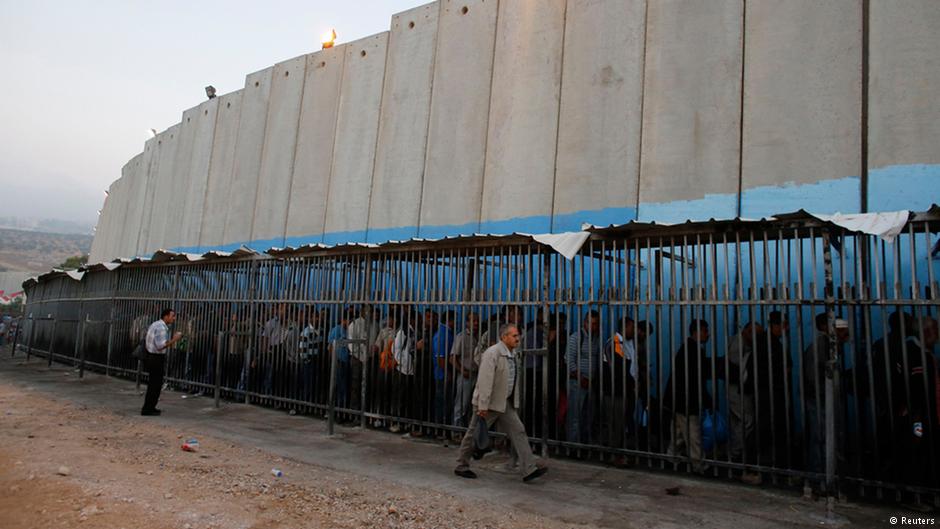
{"type": "Point", "coordinates": [112, 218]}
{"type": "Point", "coordinates": [143, 199]}
{"type": "Point", "coordinates": [802, 102]}
{"type": "Point", "coordinates": [193, 193]}
{"type": "Point", "coordinates": [597, 168]}
{"type": "Point", "coordinates": [357, 127]}
{"type": "Point", "coordinates": [153, 173]}
{"type": "Point", "coordinates": [277, 159]}
{"type": "Point", "coordinates": [691, 110]}
{"type": "Point", "coordinates": [128, 182]}
{"type": "Point", "coordinates": [131, 209]}
{"type": "Point", "coordinates": [96, 252]}
{"type": "Point", "coordinates": [904, 105]}
{"type": "Point", "coordinates": [314, 154]}
{"type": "Point", "coordinates": [179, 181]}
{"type": "Point", "coordinates": [518, 181]}
{"type": "Point", "coordinates": [460, 103]}
{"type": "Point", "coordinates": [116, 213]}
{"type": "Point", "coordinates": [163, 188]}
{"type": "Point", "coordinates": [221, 171]}
{"type": "Point", "coordinates": [248, 152]}
{"type": "Point", "coordinates": [403, 128]}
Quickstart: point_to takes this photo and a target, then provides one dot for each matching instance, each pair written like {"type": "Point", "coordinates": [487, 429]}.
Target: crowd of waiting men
{"type": "Point", "coordinates": [603, 388]}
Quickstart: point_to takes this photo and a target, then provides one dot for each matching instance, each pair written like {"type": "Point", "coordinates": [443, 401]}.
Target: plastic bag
{"type": "Point", "coordinates": [714, 430]}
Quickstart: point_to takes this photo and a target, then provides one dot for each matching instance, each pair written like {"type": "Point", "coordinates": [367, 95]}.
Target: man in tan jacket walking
{"type": "Point", "coordinates": [494, 403]}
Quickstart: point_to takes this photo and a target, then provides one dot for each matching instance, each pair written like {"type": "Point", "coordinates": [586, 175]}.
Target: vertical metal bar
{"type": "Point", "coordinates": [32, 334]}
{"type": "Point", "coordinates": [80, 344]}
{"type": "Point", "coordinates": [217, 394]}
{"type": "Point", "coordinates": [830, 368]}
{"type": "Point", "coordinates": [51, 352]}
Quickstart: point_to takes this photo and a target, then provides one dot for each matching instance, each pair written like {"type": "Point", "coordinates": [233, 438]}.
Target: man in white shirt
{"type": "Point", "coordinates": [157, 344]}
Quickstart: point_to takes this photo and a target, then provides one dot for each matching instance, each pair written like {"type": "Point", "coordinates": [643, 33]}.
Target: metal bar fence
{"type": "Point", "coordinates": [815, 346]}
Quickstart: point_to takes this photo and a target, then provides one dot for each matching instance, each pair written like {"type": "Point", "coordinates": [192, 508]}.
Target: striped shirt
{"type": "Point", "coordinates": [583, 355]}
{"type": "Point", "coordinates": [157, 337]}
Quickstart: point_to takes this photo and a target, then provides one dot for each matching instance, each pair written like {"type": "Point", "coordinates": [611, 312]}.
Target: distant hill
{"type": "Point", "coordinates": [22, 250]}
{"type": "Point", "coordinates": [47, 225]}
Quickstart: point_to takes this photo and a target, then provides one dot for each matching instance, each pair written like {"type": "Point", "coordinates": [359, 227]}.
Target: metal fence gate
{"type": "Point", "coordinates": [813, 346]}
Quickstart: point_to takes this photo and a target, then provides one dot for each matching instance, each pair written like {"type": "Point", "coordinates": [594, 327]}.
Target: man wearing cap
{"type": "Point", "coordinates": [815, 358]}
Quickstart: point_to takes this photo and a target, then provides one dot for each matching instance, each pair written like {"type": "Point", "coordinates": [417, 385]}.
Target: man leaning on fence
{"type": "Point", "coordinates": [157, 344]}
{"type": "Point", "coordinates": [493, 403]}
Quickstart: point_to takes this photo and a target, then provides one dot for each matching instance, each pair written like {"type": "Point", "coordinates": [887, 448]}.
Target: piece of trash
{"type": "Point", "coordinates": [672, 491]}
{"type": "Point", "coordinates": [184, 396]}
{"type": "Point", "coordinates": [63, 471]}
{"type": "Point", "coordinates": [193, 441]}
{"type": "Point", "coordinates": [277, 473]}
{"type": "Point", "coordinates": [190, 447]}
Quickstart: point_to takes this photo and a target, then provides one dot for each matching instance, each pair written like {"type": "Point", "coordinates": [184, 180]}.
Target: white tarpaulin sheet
{"type": "Point", "coordinates": [885, 225]}
{"type": "Point", "coordinates": [567, 244]}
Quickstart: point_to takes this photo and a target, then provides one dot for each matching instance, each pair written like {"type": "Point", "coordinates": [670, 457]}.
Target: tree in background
{"type": "Point", "coordinates": [74, 262]}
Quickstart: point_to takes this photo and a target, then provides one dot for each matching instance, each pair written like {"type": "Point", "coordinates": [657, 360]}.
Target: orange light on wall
{"type": "Point", "coordinates": [329, 38]}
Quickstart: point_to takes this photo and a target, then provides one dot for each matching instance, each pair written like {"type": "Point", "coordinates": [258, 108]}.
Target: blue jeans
{"type": "Point", "coordinates": [580, 413]}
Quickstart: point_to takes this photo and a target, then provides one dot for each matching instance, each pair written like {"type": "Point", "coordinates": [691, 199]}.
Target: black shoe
{"type": "Point", "coordinates": [466, 473]}
{"type": "Point", "coordinates": [151, 412]}
{"type": "Point", "coordinates": [535, 473]}
{"type": "Point", "coordinates": [480, 452]}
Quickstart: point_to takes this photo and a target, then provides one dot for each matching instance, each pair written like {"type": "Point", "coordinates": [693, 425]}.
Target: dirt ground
{"type": "Point", "coordinates": [123, 472]}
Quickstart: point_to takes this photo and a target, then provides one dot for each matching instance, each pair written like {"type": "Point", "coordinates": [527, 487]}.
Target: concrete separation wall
{"type": "Point", "coordinates": [357, 127]}
{"type": "Point", "coordinates": [403, 128]}
{"type": "Point", "coordinates": [248, 152]}
{"type": "Point", "coordinates": [538, 116]}
{"type": "Point", "coordinates": [162, 188]}
{"type": "Point", "coordinates": [802, 96]}
{"type": "Point", "coordinates": [904, 105]}
{"type": "Point", "coordinates": [219, 184]}
{"type": "Point", "coordinates": [277, 159]}
{"type": "Point", "coordinates": [193, 191]}
{"type": "Point", "coordinates": [313, 158]}
{"type": "Point", "coordinates": [179, 183]}
{"type": "Point", "coordinates": [598, 157]}
{"type": "Point", "coordinates": [520, 148]}
{"type": "Point", "coordinates": [130, 224]}
{"type": "Point", "coordinates": [460, 105]}
{"type": "Point", "coordinates": [691, 110]}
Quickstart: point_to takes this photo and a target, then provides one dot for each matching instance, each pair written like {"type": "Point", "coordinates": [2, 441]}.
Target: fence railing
{"type": "Point", "coordinates": [814, 346]}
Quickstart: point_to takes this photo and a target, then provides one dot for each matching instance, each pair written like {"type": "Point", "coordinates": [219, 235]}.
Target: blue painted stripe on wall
{"type": "Point", "coordinates": [842, 195]}
{"type": "Point", "coordinates": [896, 187]}
{"type": "Point", "coordinates": [892, 188]}
{"type": "Point", "coordinates": [600, 217]}
{"type": "Point", "coordinates": [711, 206]}
{"type": "Point", "coordinates": [437, 232]}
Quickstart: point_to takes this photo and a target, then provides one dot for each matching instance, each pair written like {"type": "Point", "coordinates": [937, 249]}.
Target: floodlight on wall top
{"type": "Point", "coordinates": [210, 91]}
{"type": "Point", "coordinates": [329, 38]}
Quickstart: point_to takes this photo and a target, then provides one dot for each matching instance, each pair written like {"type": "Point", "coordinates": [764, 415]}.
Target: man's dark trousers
{"type": "Point", "coordinates": [154, 364]}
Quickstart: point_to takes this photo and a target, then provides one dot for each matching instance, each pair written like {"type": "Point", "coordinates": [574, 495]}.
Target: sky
{"type": "Point", "coordinates": [84, 80]}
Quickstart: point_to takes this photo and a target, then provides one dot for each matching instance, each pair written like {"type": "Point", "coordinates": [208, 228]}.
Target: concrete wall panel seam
{"type": "Point", "coordinates": [401, 146]}
{"type": "Point", "coordinates": [313, 158]}
{"type": "Point", "coordinates": [272, 195]}
{"type": "Point", "coordinates": [455, 155]}
{"type": "Point", "coordinates": [329, 180]}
